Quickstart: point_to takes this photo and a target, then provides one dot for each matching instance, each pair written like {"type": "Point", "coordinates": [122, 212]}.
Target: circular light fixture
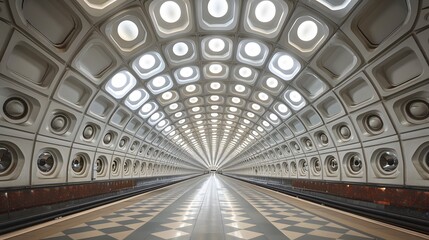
{"type": "Point", "coordinates": [178, 114]}
{"type": "Point", "coordinates": [251, 115]}
{"type": "Point", "coordinates": [147, 61]}
{"type": "Point", "coordinates": [274, 117]}
{"type": "Point", "coordinates": [285, 62]}
{"type": "Point", "coordinates": [282, 108]}
{"type": "Point", "coordinates": [295, 96]}
{"type": "Point", "coordinates": [196, 109]}
{"type": "Point", "coordinates": [215, 68]}
{"type": "Point", "coordinates": [215, 85]}
{"type": "Point", "coordinates": [147, 108]}
{"type": "Point", "coordinates": [214, 98]}
{"type": "Point", "coordinates": [217, 8]}
{"type": "Point", "coordinates": [159, 81]}
{"type": "Point", "coordinates": [252, 49]}
{"type": "Point", "coordinates": [128, 30]}
{"type": "Point", "coordinates": [186, 72]}
{"type": "Point", "coordinates": [214, 107]}
{"type": "Point", "coordinates": [190, 88]}
{"type": "Point", "coordinates": [307, 31]}
{"type": "Point", "coordinates": [256, 107]}
{"type": "Point", "coordinates": [170, 11]}
{"type": "Point", "coordinates": [239, 88]}
{"type": "Point", "coordinates": [216, 44]}
{"type": "Point", "coordinates": [263, 96]}
{"type": "Point", "coordinates": [167, 96]}
{"type": "Point", "coordinates": [236, 100]}
{"type": "Point", "coordinates": [180, 49]}
{"type": "Point", "coordinates": [245, 72]}
{"type": "Point", "coordinates": [135, 96]}
{"type": "Point", "coordinates": [272, 82]}
{"type": "Point", "coordinates": [155, 116]}
{"type": "Point", "coordinates": [119, 80]}
{"type": "Point", "coordinates": [173, 106]}
{"type": "Point", "coordinates": [265, 11]}
{"type": "Point", "coordinates": [193, 100]}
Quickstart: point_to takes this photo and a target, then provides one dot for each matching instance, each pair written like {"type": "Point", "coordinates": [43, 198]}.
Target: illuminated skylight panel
{"type": "Point", "coordinates": [245, 73]}
{"type": "Point", "coordinates": [216, 71]}
{"type": "Point", "coordinates": [252, 52]}
{"type": "Point", "coordinates": [148, 65]}
{"type": "Point", "coordinates": [127, 30]}
{"type": "Point", "coordinates": [282, 110]}
{"type": "Point", "coordinates": [171, 17]}
{"type": "Point", "coordinates": [266, 17]}
{"type": "Point", "coordinates": [307, 34]}
{"type": "Point", "coordinates": [284, 66]}
{"type": "Point", "coordinates": [160, 84]}
{"type": "Point", "coordinates": [187, 74]}
{"type": "Point", "coordinates": [294, 99]}
{"type": "Point", "coordinates": [136, 98]}
{"type": "Point", "coordinates": [147, 109]}
{"type": "Point", "coordinates": [216, 48]}
{"type": "Point", "coordinates": [120, 84]}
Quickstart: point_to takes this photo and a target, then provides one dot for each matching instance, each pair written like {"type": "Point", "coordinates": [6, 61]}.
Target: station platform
{"type": "Point", "coordinates": [217, 207]}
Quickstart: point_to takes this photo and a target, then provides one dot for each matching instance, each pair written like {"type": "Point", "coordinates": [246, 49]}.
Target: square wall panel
{"type": "Point", "coordinates": [74, 91]}
{"type": "Point", "coordinates": [6, 30]}
{"type": "Point", "coordinates": [29, 64]}
{"type": "Point", "coordinates": [21, 107]}
{"type": "Point", "coordinates": [367, 27]}
{"type": "Point", "coordinates": [102, 106]}
{"type": "Point", "coordinates": [65, 29]}
{"type": "Point", "coordinates": [102, 165]}
{"type": "Point", "coordinates": [373, 122]}
{"type": "Point", "coordinates": [356, 92]}
{"type": "Point", "coordinates": [354, 165]}
{"type": "Point", "coordinates": [410, 110]}
{"type": "Point", "coordinates": [128, 31]}
{"type": "Point", "coordinates": [337, 60]}
{"type": "Point", "coordinates": [61, 122]}
{"type": "Point", "coordinates": [80, 166]}
{"type": "Point", "coordinates": [402, 67]}
{"type": "Point", "coordinates": [96, 60]}
{"type": "Point", "coordinates": [16, 170]}
{"type": "Point", "coordinates": [416, 160]}
{"type": "Point", "coordinates": [385, 163]}
{"type": "Point", "coordinates": [329, 107]}
{"type": "Point", "coordinates": [49, 164]}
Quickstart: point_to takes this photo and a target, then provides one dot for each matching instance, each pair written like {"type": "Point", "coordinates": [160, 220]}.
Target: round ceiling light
{"type": "Point", "coordinates": [190, 88]}
{"type": "Point", "coordinates": [245, 72]}
{"type": "Point", "coordinates": [295, 96]}
{"type": "Point", "coordinates": [128, 30]}
{"type": "Point", "coordinates": [285, 62]}
{"type": "Point", "coordinates": [147, 61]}
{"type": "Point", "coordinates": [167, 96]}
{"type": "Point", "coordinates": [252, 49]}
{"type": "Point", "coordinates": [170, 12]}
{"type": "Point", "coordinates": [135, 96]}
{"type": "Point", "coordinates": [119, 80]}
{"type": "Point", "coordinates": [307, 30]}
{"type": "Point", "coordinates": [216, 44]}
{"type": "Point", "coordinates": [272, 82]}
{"type": "Point", "coordinates": [147, 108]}
{"type": "Point", "coordinates": [186, 72]}
{"type": "Point", "coordinates": [215, 85]}
{"type": "Point", "coordinates": [282, 108]}
{"type": "Point", "coordinates": [180, 49]}
{"type": "Point", "coordinates": [215, 68]}
{"type": "Point", "coordinates": [159, 81]}
{"type": "Point", "coordinates": [263, 96]}
{"type": "Point", "coordinates": [265, 11]}
{"type": "Point", "coordinates": [217, 8]}
{"type": "Point", "coordinates": [240, 88]}
{"type": "Point", "coordinates": [256, 107]}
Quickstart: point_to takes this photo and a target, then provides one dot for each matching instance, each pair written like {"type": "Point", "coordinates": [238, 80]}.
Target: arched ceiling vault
{"type": "Point", "coordinates": [223, 84]}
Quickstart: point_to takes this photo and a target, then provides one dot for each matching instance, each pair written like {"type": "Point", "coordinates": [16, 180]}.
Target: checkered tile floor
{"type": "Point", "coordinates": [210, 208]}
{"type": "Point", "coordinates": [296, 223]}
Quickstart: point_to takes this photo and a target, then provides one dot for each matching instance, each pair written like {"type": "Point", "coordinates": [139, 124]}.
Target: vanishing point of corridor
{"type": "Point", "coordinates": [213, 207]}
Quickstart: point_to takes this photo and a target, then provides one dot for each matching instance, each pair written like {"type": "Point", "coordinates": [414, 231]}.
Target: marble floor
{"type": "Point", "coordinates": [213, 207]}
